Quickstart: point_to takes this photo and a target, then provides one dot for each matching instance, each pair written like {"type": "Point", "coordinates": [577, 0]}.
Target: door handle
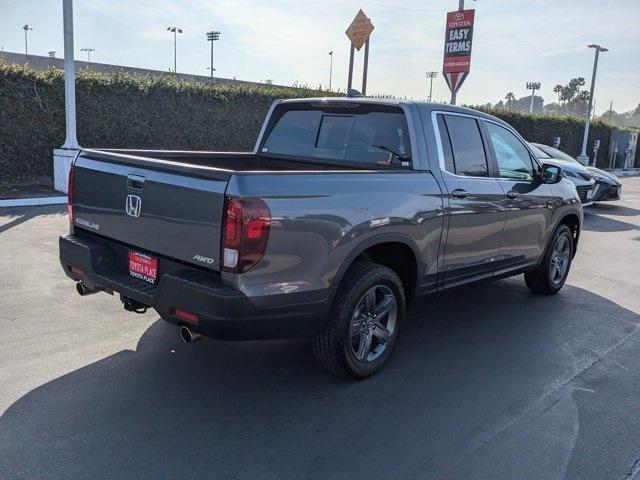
{"type": "Point", "coordinates": [135, 181]}
{"type": "Point", "coordinates": [459, 193]}
{"type": "Point", "coordinates": [512, 194]}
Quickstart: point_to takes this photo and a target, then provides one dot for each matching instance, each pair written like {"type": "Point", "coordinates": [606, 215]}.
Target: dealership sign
{"type": "Point", "coordinates": [457, 47]}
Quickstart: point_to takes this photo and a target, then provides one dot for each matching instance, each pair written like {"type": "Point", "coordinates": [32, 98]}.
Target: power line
{"type": "Point", "coordinates": [620, 74]}
{"type": "Point", "coordinates": [406, 9]}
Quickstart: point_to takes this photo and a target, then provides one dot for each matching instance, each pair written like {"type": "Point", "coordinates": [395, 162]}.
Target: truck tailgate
{"type": "Point", "coordinates": [157, 207]}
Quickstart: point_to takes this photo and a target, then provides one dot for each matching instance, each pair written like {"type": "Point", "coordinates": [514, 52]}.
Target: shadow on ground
{"type": "Point", "coordinates": [468, 368]}
{"type": "Point", "coordinates": [21, 215]}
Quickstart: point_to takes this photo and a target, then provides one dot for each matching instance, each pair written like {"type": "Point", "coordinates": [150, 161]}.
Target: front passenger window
{"type": "Point", "coordinates": [513, 158]}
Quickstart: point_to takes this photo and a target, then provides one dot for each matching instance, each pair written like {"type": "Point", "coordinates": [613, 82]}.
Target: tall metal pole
{"type": "Point", "coordinates": [26, 28]}
{"type": "Point", "coordinates": [211, 67]}
{"type": "Point", "coordinates": [366, 67]}
{"type": "Point", "coordinates": [583, 157]}
{"type": "Point", "coordinates": [431, 76]}
{"type": "Point", "coordinates": [350, 80]}
{"type": "Point", "coordinates": [453, 93]}
{"type": "Point", "coordinates": [71, 141]}
{"type": "Point", "coordinates": [330, 68]}
{"type": "Point", "coordinates": [175, 48]}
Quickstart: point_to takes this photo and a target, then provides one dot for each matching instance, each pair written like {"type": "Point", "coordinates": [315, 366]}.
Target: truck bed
{"type": "Point", "coordinates": [229, 161]}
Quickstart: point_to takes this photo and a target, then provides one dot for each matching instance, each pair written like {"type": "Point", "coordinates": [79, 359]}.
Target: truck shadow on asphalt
{"type": "Point", "coordinates": [473, 365]}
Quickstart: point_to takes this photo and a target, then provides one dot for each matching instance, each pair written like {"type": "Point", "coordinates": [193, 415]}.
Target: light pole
{"type": "Point", "coordinates": [26, 28]}
{"type": "Point", "coordinates": [175, 31]}
{"type": "Point", "coordinates": [533, 86]}
{"type": "Point", "coordinates": [330, 68]}
{"type": "Point", "coordinates": [88, 50]}
{"type": "Point", "coordinates": [583, 157]}
{"type": "Point", "coordinates": [431, 76]}
{"type": "Point", "coordinates": [212, 37]}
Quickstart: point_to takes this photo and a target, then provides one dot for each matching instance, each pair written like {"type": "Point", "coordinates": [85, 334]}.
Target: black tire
{"type": "Point", "coordinates": [544, 279]}
{"type": "Point", "coordinates": [334, 347]}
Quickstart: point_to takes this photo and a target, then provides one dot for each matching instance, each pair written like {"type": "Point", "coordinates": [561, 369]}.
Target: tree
{"type": "Point", "coordinates": [557, 90]}
{"type": "Point", "coordinates": [510, 98]}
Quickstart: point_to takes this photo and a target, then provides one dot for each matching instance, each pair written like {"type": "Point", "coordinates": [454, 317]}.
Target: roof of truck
{"type": "Point", "coordinates": [393, 102]}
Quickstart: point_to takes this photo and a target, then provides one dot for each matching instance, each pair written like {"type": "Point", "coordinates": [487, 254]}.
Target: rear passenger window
{"type": "Point", "coordinates": [467, 148]}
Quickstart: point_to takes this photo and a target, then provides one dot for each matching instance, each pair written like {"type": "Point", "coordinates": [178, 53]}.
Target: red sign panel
{"type": "Point", "coordinates": [142, 266]}
{"type": "Point", "coordinates": [457, 47]}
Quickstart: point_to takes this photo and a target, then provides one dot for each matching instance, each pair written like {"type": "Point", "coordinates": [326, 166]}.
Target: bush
{"type": "Point", "coordinates": [540, 128]}
{"type": "Point", "coordinates": [124, 111]}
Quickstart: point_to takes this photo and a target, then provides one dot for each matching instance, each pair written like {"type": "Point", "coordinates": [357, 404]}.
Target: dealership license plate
{"type": "Point", "coordinates": [143, 266]}
{"type": "Point", "coordinates": [590, 193]}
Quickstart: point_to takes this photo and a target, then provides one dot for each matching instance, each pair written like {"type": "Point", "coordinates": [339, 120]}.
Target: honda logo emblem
{"type": "Point", "coordinates": [134, 205]}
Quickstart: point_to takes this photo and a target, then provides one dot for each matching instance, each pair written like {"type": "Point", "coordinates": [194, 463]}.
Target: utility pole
{"type": "Point", "coordinates": [431, 76]}
{"type": "Point", "coordinates": [330, 68]}
{"type": "Point", "coordinates": [71, 141]}
{"type": "Point", "coordinates": [26, 28]}
{"type": "Point", "coordinates": [212, 37]}
{"type": "Point", "coordinates": [533, 86]}
{"type": "Point", "coordinates": [88, 50]}
{"type": "Point", "coordinates": [175, 31]}
{"type": "Point", "coordinates": [583, 157]}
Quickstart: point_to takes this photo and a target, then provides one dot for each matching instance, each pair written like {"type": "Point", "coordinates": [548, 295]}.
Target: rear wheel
{"type": "Point", "coordinates": [550, 275]}
{"type": "Point", "coordinates": [366, 319]}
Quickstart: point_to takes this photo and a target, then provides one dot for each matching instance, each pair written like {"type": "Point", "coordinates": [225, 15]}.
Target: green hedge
{"type": "Point", "coordinates": [134, 111]}
{"type": "Point", "coordinates": [124, 110]}
{"type": "Point", "coordinates": [541, 128]}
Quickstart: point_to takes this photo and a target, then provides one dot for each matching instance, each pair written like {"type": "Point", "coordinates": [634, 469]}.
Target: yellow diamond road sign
{"type": "Point", "coordinates": [359, 30]}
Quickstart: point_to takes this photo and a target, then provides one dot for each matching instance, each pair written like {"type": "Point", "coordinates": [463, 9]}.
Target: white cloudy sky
{"type": "Point", "coordinates": [288, 40]}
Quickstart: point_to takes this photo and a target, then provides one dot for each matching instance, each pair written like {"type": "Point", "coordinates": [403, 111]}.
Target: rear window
{"type": "Point", "coordinates": [353, 137]}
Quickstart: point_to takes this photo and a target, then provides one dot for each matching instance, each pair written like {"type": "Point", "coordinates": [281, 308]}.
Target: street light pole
{"type": "Point", "coordinates": [533, 86]}
{"type": "Point", "coordinates": [212, 37]}
{"type": "Point", "coordinates": [431, 76]}
{"type": "Point", "coordinates": [176, 31]}
{"type": "Point", "coordinates": [330, 68]}
{"type": "Point", "coordinates": [583, 157]}
{"type": "Point", "coordinates": [26, 28]}
{"type": "Point", "coordinates": [88, 50]}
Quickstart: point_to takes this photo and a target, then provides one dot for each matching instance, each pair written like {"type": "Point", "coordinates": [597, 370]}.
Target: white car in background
{"type": "Point", "coordinates": [608, 186]}
{"type": "Point", "coordinates": [577, 173]}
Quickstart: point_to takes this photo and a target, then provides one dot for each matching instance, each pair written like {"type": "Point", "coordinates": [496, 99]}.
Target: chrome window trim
{"type": "Point", "coordinates": [434, 121]}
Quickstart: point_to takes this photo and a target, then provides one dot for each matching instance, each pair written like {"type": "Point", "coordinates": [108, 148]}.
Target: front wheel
{"type": "Point", "coordinates": [366, 320]}
{"type": "Point", "coordinates": [550, 275]}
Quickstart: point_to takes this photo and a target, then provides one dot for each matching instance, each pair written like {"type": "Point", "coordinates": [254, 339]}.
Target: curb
{"type": "Point", "coordinates": [31, 202]}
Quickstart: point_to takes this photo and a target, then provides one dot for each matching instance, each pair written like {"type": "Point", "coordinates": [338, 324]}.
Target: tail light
{"type": "Point", "coordinates": [245, 232]}
{"type": "Point", "coordinates": [70, 190]}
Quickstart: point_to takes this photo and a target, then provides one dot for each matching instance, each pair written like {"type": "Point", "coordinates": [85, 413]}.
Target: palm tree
{"type": "Point", "coordinates": [510, 98]}
{"type": "Point", "coordinates": [557, 90]}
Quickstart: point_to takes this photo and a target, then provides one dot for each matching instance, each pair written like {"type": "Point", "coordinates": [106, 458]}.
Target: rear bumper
{"type": "Point", "coordinates": [223, 312]}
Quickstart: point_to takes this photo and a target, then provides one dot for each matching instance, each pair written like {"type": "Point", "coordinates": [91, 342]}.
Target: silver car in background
{"type": "Point", "coordinates": [577, 173]}
{"type": "Point", "coordinates": [608, 186]}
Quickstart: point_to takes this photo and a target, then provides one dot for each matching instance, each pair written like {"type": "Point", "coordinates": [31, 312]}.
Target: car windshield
{"type": "Point", "coordinates": [557, 154]}
{"type": "Point", "coordinates": [540, 154]}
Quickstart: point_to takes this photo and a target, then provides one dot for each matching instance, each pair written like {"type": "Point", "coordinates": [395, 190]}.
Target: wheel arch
{"type": "Point", "coordinates": [374, 249]}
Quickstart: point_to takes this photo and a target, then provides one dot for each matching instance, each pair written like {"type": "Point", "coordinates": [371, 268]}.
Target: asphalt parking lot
{"type": "Point", "coordinates": [489, 381]}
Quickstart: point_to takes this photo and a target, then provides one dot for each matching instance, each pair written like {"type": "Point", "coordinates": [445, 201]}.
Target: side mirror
{"type": "Point", "coordinates": [551, 173]}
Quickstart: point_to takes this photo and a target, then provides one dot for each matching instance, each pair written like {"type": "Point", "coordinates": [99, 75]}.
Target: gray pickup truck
{"type": "Point", "coordinates": [346, 210]}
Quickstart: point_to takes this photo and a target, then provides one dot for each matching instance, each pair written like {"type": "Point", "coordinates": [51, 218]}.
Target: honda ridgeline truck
{"type": "Point", "coordinates": [346, 209]}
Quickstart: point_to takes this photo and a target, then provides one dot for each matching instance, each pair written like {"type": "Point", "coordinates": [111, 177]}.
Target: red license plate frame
{"type": "Point", "coordinates": [142, 266]}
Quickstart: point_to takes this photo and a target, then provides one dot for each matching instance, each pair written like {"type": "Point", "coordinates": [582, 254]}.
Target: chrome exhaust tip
{"type": "Point", "coordinates": [83, 290]}
{"type": "Point", "coordinates": [189, 336]}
